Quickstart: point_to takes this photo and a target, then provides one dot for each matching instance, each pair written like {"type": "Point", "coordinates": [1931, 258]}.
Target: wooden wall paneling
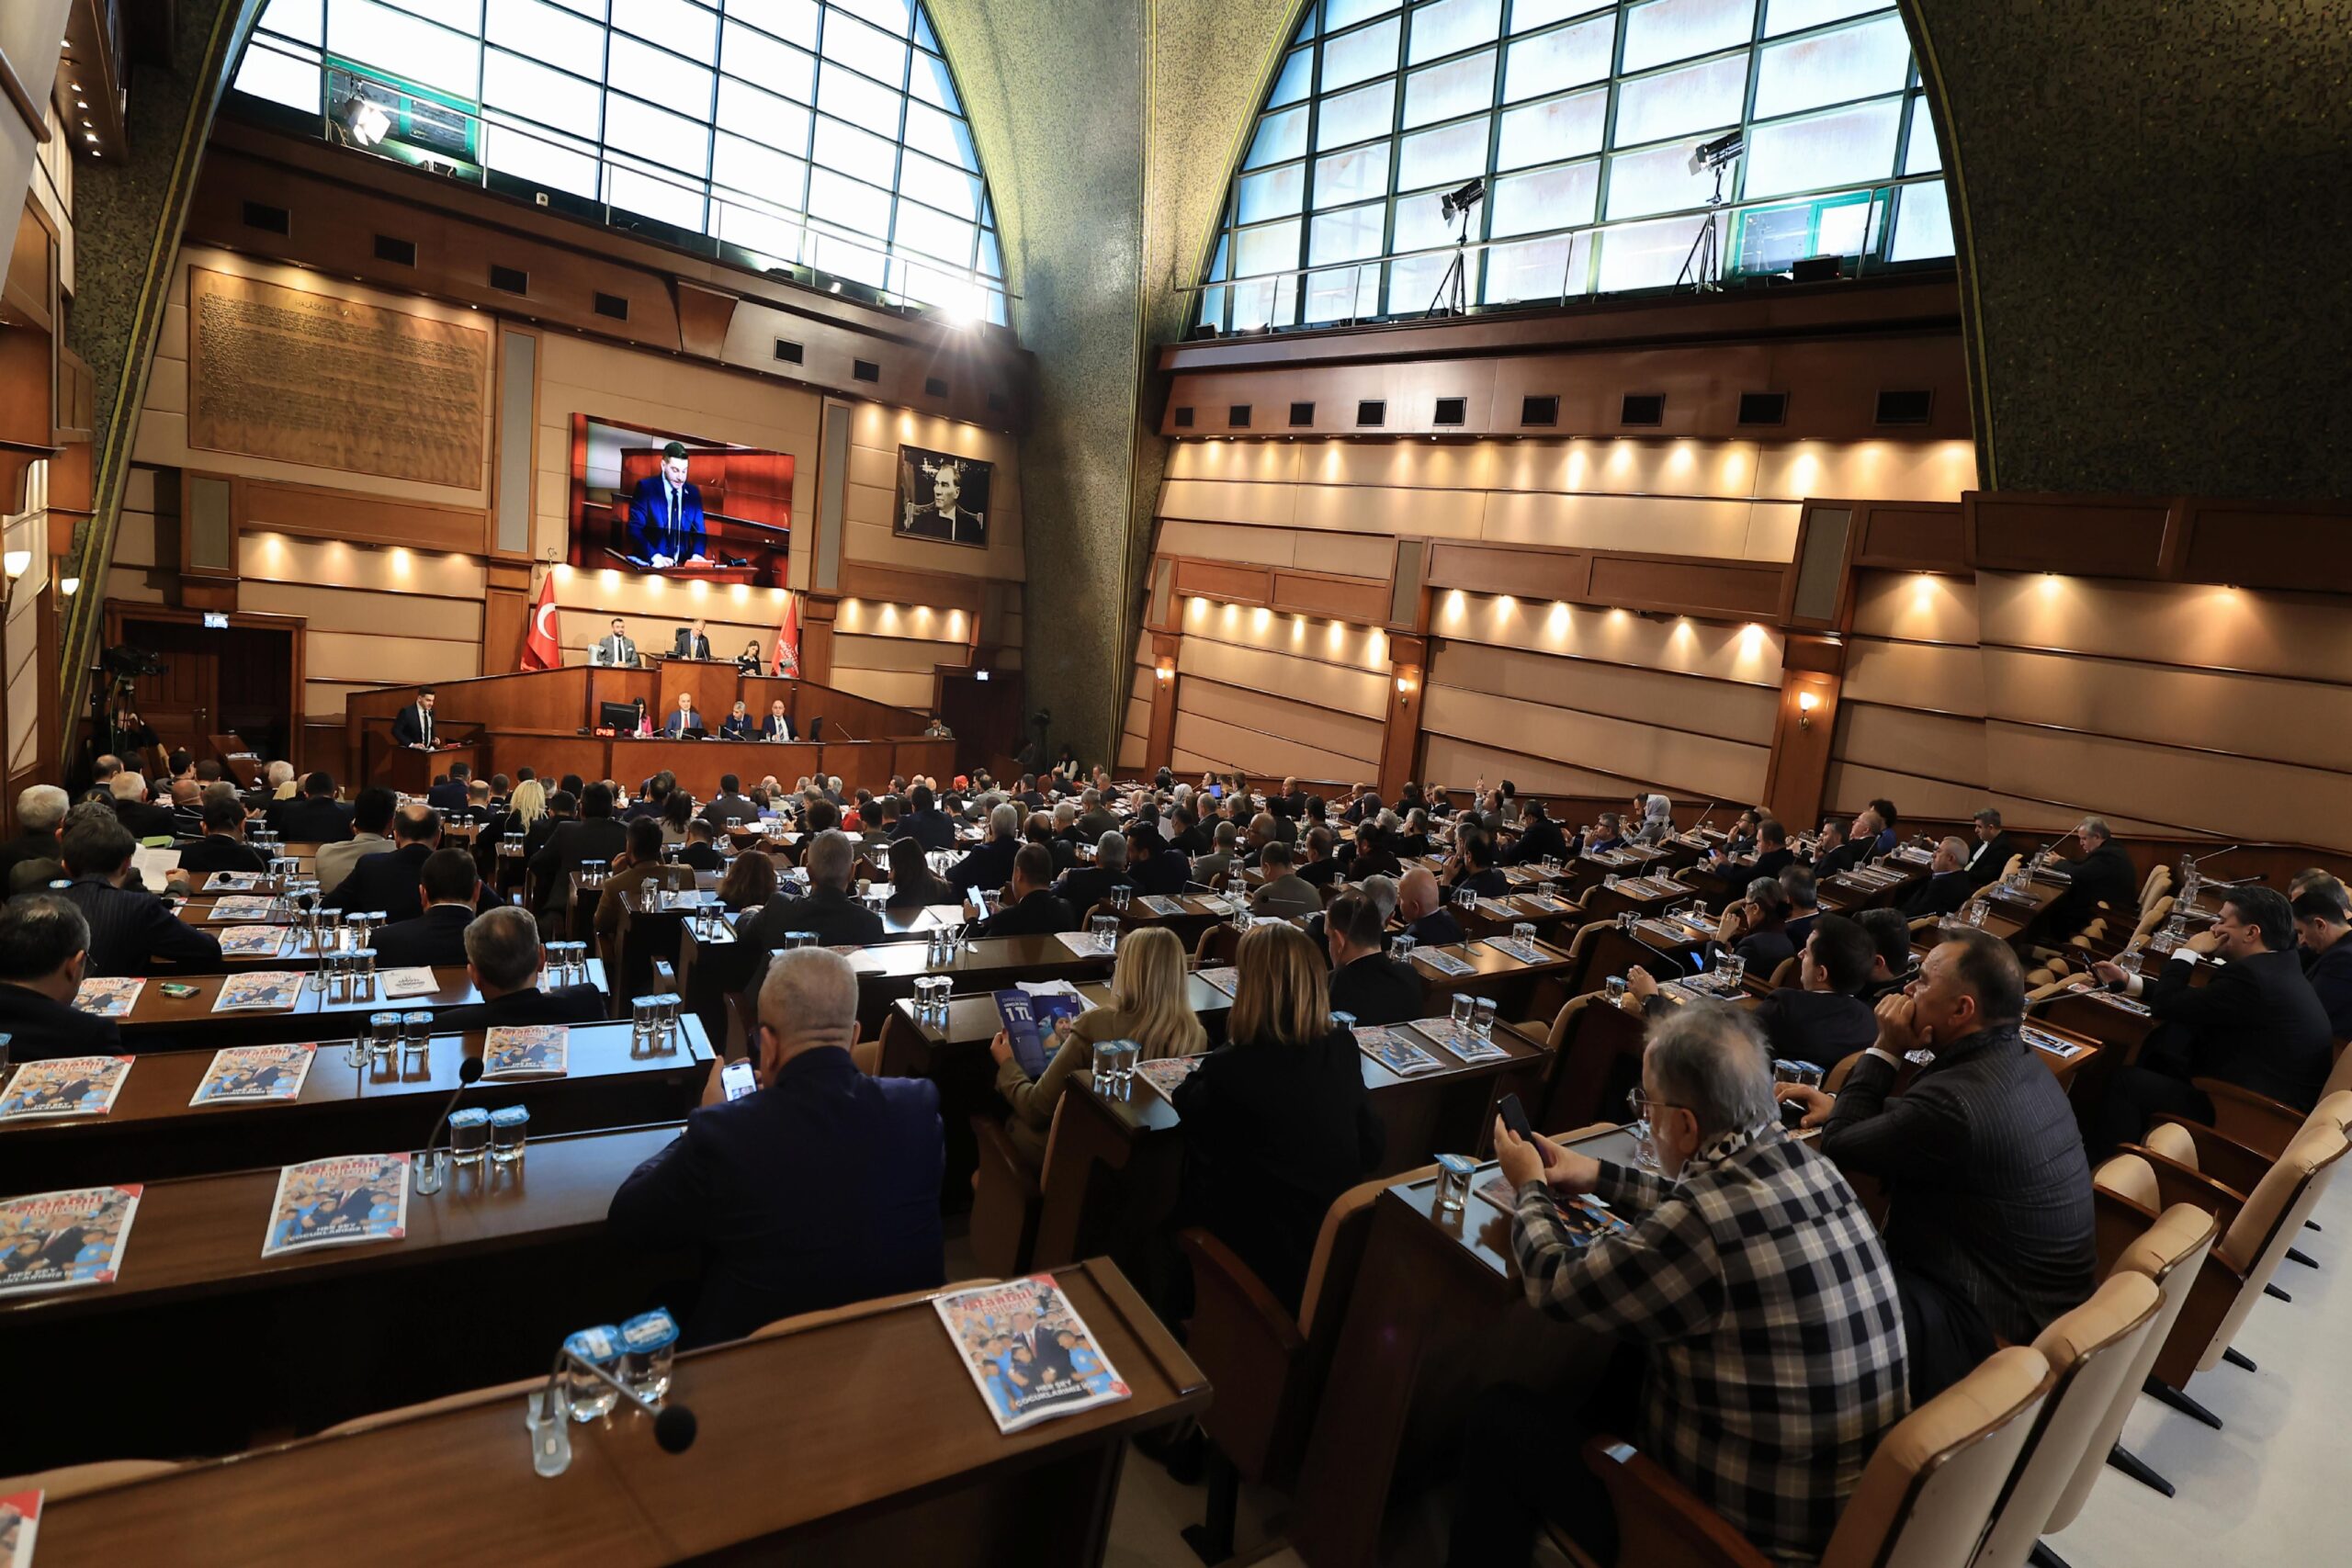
{"type": "Point", "coordinates": [704, 315]}
{"type": "Point", "coordinates": [1159, 747]}
{"type": "Point", "coordinates": [2299, 546]}
{"type": "Point", "coordinates": [1364, 600]}
{"type": "Point", "coordinates": [1909, 536]}
{"type": "Point", "coordinates": [1219, 579]}
{"type": "Point", "coordinates": [893, 585]}
{"type": "Point", "coordinates": [317, 512]}
{"type": "Point", "coordinates": [1528, 573]}
{"type": "Point", "coordinates": [505, 624]}
{"type": "Point", "coordinates": [1749, 591]}
{"type": "Point", "coordinates": [2086, 536]}
{"type": "Point", "coordinates": [1400, 737]}
{"type": "Point", "coordinates": [1801, 737]}
{"type": "Point", "coordinates": [816, 637]}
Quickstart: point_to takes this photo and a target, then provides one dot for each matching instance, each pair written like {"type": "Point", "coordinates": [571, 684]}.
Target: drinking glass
{"type": "Point", "coordinates": [416, 1033]}
{"type": "Point", "coordinates": [1523, 936]}
{"type": "Point", "coordinates": [1401, 947]}
{"type": "Point", "coordinates": [644, 1018]}
{"type": "Point", "coordinates": [1106, 933]}
{"type": "Point", "coordinates": [1644, 1145]}
{"type": "Point", "coordinates": [1119, 897]}
{"type": "Point", "coordinates": [1482, 1017]}
{"type": "Point", "coordinates": [384, 1036]}
{"type": "Point", "coordinates": [509, 1126]}
{"type": "Point", "coordinates": [1976, 911]}
{"type": "Point", "coordinates": [648, 1341]}
{"type": "Point", "coordinates": [468, 1135]}
{"type": "Point", "coordinates": [1465, 897]}
{"type": "Point", "coordinates": [1465, 1009]}
{"type": "Point", "coordinates": [793, 940]}
{"type": "Point", "coordinates": [591, 1397]}
{"type": "Point", "coordinates": [361, 963]}
{"type": "Point", "coordinates": [334, 979]}
{"type": "Point", "coordinates": [1615, 986]}
{"type": "Point", "coordinates": [1628, 919]}
{"type": "Point", "coordinates": [1453, 1173]}
{"type": "Point", "coordinates": [1733, 971]}
{"type": "Point", "coordinates": [1610, 881]}
{"type": "Point", "coordinates": [665, 1020]}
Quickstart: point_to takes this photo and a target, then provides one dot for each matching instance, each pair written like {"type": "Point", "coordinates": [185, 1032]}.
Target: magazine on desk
{"type": "Point", "coordinates": [1459, 1039]}
{"type": "Point", "coordinates": [527, 1051]}
{"type": "Point", "coordinates": [1392, 1050]}
{"type": "Point", "coordinates": [1166, 1072]}
{"type": "Point", "coordinates": [254, 941]}
{"type": "Point", "coordinates": [412, 980]}
{"type": "Point", "coordinates": [65, 1086]}
{"type": "Point", "coordinates": [262, 991]}
{"type": "Point", "coordinates": [56, 1241]}
{"type": "Point", "coordinates": [20, 1522]}
{"type": "Point", "coordinates": [1446, 964]}
{"type": "Point", "coordinates": [338, 1202]}
{"type": "Point", "coordinates": [1031, 1018]}
{"type": "Point", "coordinates": [109, 996]}
{"type": "Point", "coordinates": [240, 910]}
{"type": "Point", "coordinates": [253, 1074]}
{"type": "Point", "coordinates": [1028, 1351]}
{"type": "Point", "coordinates": [1223, 976]}
{"type": "Point", "coordinates": [1586, 1218]}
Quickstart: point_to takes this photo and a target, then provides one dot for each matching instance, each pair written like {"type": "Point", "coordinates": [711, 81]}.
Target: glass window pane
{"type": "Point", "coordinates": [795, 21]}
{"type": "Point", "coordinates": [864, 48]}
{"type": "Point", "coordinates": [779, 178]}
{"type": "Point", "coordinates": [1351, 116]}
{"type": "Point", "coordinates": [1922, 155]}
{"type": "Point", "coordinates": [1537, 269]}
{"type": "Point", "coordinates": [762, 117]}
{"type": "Point", "coordinates": [1788, 16]}
{"type": "Point", "coordinates": [1675, 103]}
{"type": "Point", "coordinates": [539, 159]}
{"type": "Point", "coordinates": [1676, 29]}
{"type": "Point", "coordinates": [531, 90]}
{"type": "Point", "coordinates": [1554, 128]}
{"type": "Point", "coordinates": [855, 255]}
{"type": "Point", "coordinates": [1343, 294]}
{"type": "Point", "coordinates": [1451, 26]}
{"type": "Point", "coordinates": [935, 234]}
{"type": "Point", "coordinates": [459, 15]}
{"type": "Point", "coordinates": [1275, 193]}
{"type": "Point", "coordinates": [1645, 255]}
{"type": "Point", "coordinates": [779, 67]}
{"type": "Point", "coordinates": [1657, 180]}
{"type": "Point", "coordinates": [1421, 223]}
{"type": "Point", "coordinates": [1280, 136]}
{"type": "Point", "coordinates": [1844, 147]}
{"type": "Point", "coordinates": [854, 151]}
{"type": "Point", "coordinates": [1272, 248]}
{"type": "Point", "coordinates": [647, 72]}
{"type": "Point", "coordinates": [295, 19]}
{"type": "Point", "coordinates": [1412, 283]}
{"type": "Point", "coordinates": [1352, 176]}
{"type": "Point", "coordinates": [1347, 234]}
{"type": "Point", "coordinates": [1298, 75]}
{"type": "Point", "coordinates": [549, 36]}
{"type": "Point", "coordinates": [283, 78]}
{"type": "Point", "coordinates": [928, 80]}
{"type": "Point", "coordinates": [992, 260]}
{"type": "Point", "coordinates": [1568, 57]}
{"type": "Point", "coordinates": [891, 15]}
{"type": "Point", "coordinates": [943, 136]}
{"type": "Point", "coordinates": [939, 184]}
{"type": "Point", "coordinates": [1527, 15]}
{"type": "Point", "coordinates": [1360, 56]}
{"type": "Point", "coordinates": [1547, 198]}
{"type": "Point", "coordinates": [657, 134]}
{"type": "Point", "coordinates": [1922, 224]}
{"type": "Point", "coordinates": [857, 100]}
{"type": "Point", "coordinates": [659, 195]}
{"type": "Point", "coordinates": [1442, 91]}
{"type": "Point", "coordinates": [675, 24]}
{"type": "Point", "coordinates": [743, 221]}
{"type": "Point", "coordinates": [848, 202]}
{"type": "Point", "coordinates": [405, 46]}
{"type": "Point", "coordinates": [1268, 302]}
{"type": "Point", "coordinates": [1338, 13]}
{"type": "Point", "coordinates": [1829, 68]}
{"type": "Point", "coordinates": [1447, 155]}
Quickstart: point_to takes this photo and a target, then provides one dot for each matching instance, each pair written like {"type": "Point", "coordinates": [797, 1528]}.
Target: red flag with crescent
{"type": "Point", "coordinates": [787, 637]}
{"type": "Point", "coordinates": [540, 649]}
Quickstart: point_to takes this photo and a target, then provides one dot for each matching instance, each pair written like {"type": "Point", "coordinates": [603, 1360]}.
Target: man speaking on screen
{"type": "Point", "coordinates": [665, 513]}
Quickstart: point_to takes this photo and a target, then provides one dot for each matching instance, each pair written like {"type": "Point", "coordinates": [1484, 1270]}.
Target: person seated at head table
{"type": "Point", "coordinates": [2322, 922]}
{"type": "Point", "coordinates": [389, 881]}
{"type": "Point", "coordinates": [1946, 888]}
{"type": "Point", "coordinates": [1365, 982]}
{"type": "Point", "coordinates": [503, 960]}
{"type": "Point", "coordinates": [1821, 1018]}
{"type": "Point", "coordinates": [691, 641]}
{"type": "Point", "coordinates": [1029, 907]}
{"type": "Point", "coordinates": [1284, 894]}
{"type": "Point", "coordinates": [683, 717]}
{"type": "Point", "coordinates": [223, 846]}
{"type": "Point", "coordinates": [1420, 907]}
{"type": "Point", "coordinates": [1989, 1222]}
{"type": "Point", "coordinates": [44, 956]}
{"type": "Point", "coordinates": [2103, 875]}
{"type": "Point", "coordinates": [1606, 833]}
{"type": "Point", "coordinates": [449, 791]}
{"type": "Point", "coordinates": [1891, 955]}
{"type": "Point", "coordinates": [1756, 927]}
{"type": "Point", "coordinates": [447, 886]}
{"type": "Point", "coordinates": [751, 661]}
{"type": "Point", "coordinates": [2255, 1022]}
{"type": "Point", "coordinates": [700, 851]}
{"type": "Point", "coordinates": [990, 864]}
{"type": "Point", "coordinates": [1157, 870]}
{"type": "Point", "coordinates": [1748, 1281]}
{"type": "Point", "coordinates": [828, 909]}
{"type": "Point", "coordinates": [1473, 866]}
{"type": "Point", "coordinates": [1538, 836]}
{"type": "Point", "coordinates": [1989, 856]}
{"type": "Point", "coordinates": [750, 881]}
{"type": "Point", "coordinates": [777, 726]}
{"type": "Point", "coordinates": [131, 930]}
{"type": "Point", "coordinates": [643, 728]}
{"type": "Point", "coordinates": [1277, 1124]}
{"type": "Point", "coordinates": [1147, 1006]}
{"type": "Point", "coordinates": [737, 723]}
{"type": "Point", "coordinates": [738, 1181]}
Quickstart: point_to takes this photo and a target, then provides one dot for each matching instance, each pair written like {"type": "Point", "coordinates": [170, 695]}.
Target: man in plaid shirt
{"type": "Point", "coordinates": [1748, 1274]}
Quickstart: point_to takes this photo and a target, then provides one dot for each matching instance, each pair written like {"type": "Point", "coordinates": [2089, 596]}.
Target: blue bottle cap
{"type": "Point", "coordinates": [600, 1344]}
{"type": "Point", "coordinates": [471, 1116]}
{"type": "Point", "coordinates": [511, 1116]}
{"type": "Point", "coordinates": [650, 1330]}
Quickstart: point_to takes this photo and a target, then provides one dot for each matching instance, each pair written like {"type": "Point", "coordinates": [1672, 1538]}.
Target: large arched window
{"type": "Point", "coordinates": [825, 134]}
{"type": "Point", "coordinates": [1581, 119]}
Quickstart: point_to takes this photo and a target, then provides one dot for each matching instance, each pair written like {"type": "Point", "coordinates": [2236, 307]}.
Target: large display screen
{"type": "Point", "coordinates": [646, 500]}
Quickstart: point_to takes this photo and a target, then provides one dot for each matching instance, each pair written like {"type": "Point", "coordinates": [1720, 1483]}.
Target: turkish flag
{"type": "Point", "coordinates": [539, 648]}
{"type": "Point", "coordinates": [787, 638]}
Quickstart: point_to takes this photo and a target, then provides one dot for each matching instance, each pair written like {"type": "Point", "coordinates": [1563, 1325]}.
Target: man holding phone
{"type": "Point", "coordinates": [1772, 1347]}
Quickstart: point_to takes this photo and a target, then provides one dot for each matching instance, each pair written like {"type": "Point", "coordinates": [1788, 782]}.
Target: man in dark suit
{"type": "Point", "coordinates": [40, 817]}
{"type": "Point", "coordinates": [683, 718]}
{"type": "Point", "coordinates": [1158, 871]}
{"type": "Point", "coordinates": [1989, 856]}
{"type": "Point", "coordinates": [389, 880]}
{"type": "Point", "coordinates": [665, 513]}
{"type": "Point", "coordinates": [447, 886]}
{"type": "Point", "coordinates": [449, 795]}
{"type": "Point", "coordinates": [1833, 852]}
{"type": "Point", "coordinates": [2103, 875]}
{"type": "Point", "coordinates": [2324, 924]}
{"type": "Point", "coordinates": [1891, 959]}
{"type": "Point", "coordinates": [223, 846]}
{"type": "Point", "coordinates": [313, 817]}
{"type": "Point", "coordinates": [1427, 920]}
{"type": "Point", "coordinates": [924, 822]}
{"type": "Point", "coordinates": [1821, 1018]}
{"type": "Point", "coordinates": [691, 642]}
{"type": "Point", "coordinates": [1321, 867]}
{"type": "Point", "coordinates": [44, 951]}
{"type": "Point", "coordinates": [2257, 1023]}
{"type": "Point", "coordinates": [777, 726]}
{"type": "Point", "coordinates": [829, 910]}
{"type": "Point", "coordinates": [130, 930]}
{"type": "Point", "coordinates": [596, 836]}
{"type": "Point", "coordinates": [1473, 867]}
{"type": "Point", "coordinates": [1947, 887]}
{"type": "Point", "coordinates": [504, 959]}
{"type": "Point", "coordinates": [1031, 908]}
{"type": "Point", "coordinates": [1365, 981]}
{"type": "Point", "coordinates": [1083, 886]}
{"type": "Point", "coordinates": [615, 648]}
{"type": "Point", "coordinates": [736, 1182]}
{"type": "Point", "coordinates": [1538, 836]}
{"type": "Point", "coordinates": [989, 867]}
{"type": "Point", "coordinates": [1989, 1223]}
{"type": "Point", "coordinates": [701, 848]}
{"type": "Point", "coordinates": [131, 806]}
{"type": "Point", "coordinates": [1773, 855]}
{"type": "Point", "coordinates": [729, 804]}
{"type": "Point", "coordinates": [412, 726]}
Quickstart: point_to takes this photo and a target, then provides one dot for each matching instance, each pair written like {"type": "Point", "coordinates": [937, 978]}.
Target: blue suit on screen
{"type": "Point", "coordinates": [666, 519]}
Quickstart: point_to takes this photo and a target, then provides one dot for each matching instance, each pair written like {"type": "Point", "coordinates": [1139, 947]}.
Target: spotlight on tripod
{"type": "Point", "coordinates": [1453, 296]}
{"type": "Point", "coordinates": [1702, 268]}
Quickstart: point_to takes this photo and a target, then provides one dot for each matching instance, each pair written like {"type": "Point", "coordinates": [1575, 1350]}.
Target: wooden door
{"type": "Point", "coordinates": [183, 702]}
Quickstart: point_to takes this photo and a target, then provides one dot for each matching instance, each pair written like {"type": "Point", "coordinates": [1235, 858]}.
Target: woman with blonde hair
{"type": "Point", "coordinates": [525, 806]}
{"type": "Point", "coordinates": [1276, 1120]}
{"type": "Point", "coordinates": [1147, 1006]}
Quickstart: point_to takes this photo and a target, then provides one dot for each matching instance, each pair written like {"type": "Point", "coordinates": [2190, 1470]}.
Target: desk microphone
{"type": "Point", "coordinates": [843, 729]}
{"type": "Point", "coordinates": [675, 1426]}
{"type": "Point", "coordinates": [468, 1073]}
{"type": "Point", "coordinates": [1682, 969]}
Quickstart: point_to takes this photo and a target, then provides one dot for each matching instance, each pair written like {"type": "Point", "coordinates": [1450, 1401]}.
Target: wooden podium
{"type": "Point", "coordinates": [411, 771]}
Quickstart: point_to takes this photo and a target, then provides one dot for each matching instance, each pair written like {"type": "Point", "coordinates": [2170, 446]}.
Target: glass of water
{"type": "Point", "coordinates": [1106, 933]}
{"type": "Point", "coordinates": [468, 1135]}
{"type": "Point", "coordinates": [1465, 1009]}
{"type": "Point", "coordinates": [416, 1033]}
{"type": "Point", "coordinates": [1610, 881]}
{"type": "Point", "coordinates": [590, 1396]}
{"type": "Point", "coordinates": [510, 1125]}
{"type": "Point", "coordinates": [1523, 936]}
{"type": "Point", "coordinates": [1644, 1145]}
{"type": "Point", "coordinates": [1466, 896]}
{"type": "Point", "coordinates": [666, 1021]}
{"type": "Point", "coordinates": [1976, 911]}
{"type": "Point", "coordinates": [1453, 1173]}
{"type": "Point", "coordinates": [362, 964]}
{"type": "Point", "coordinates": [648, 1341]}
{"type": "Point", "coordinates": [1627, 920]}
{"type": "Point", "coordinates": [1615, 986]}
{"type": "Point", "coordinates": [1482, 1017]}
{"type": "Point", "coordinates": [383, 1034]}
{"type": "Point", "coordinates": [645, 1014]}
{"type": "Point", "coordinates": [1401, 947]}
{"type": "Point", "coordinates": [1733, 973]}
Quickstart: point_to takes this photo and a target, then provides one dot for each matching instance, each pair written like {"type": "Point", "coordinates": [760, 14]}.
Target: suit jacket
{"type": "Point", "coordinates": [741, 1183]}
{"type": "Point", "coordinates": [930, 829]}
{"type": "Point", "coordinates": [25, 847]}
{"type": "Point", "coordinates": [132, 930]}
{"type": "Point", "coordinates": [1165, 872]}
{"type": "Point", "coordinates": [1286, 896]}
{"type": "Point", "coordinates": [2257, 1023]}
{"type": "Point", "coordinates": [1942, 893]}
{"type": "Point", "coordinates": [1273, 1133]}
{"type": "Point", "coordinates": [837, 918]}
{"type": "Point", "coordinates": [1318, 874]}
{"type": "Point", "coordinates": [386, 882]}
{"type": "Point", "coordinates": [2105, 875]}
{"type": "Point", "coordinates": [41, 1029]}
{"type": "Point", "coordinates": [1537, 840]}
{"type": "Point", "coordinates": [990, 865]}
{"type": "Point", "coordinates": [572, 1004]}
{"type": "Point", "coordinates": [2329, 974]}
{"type": "Point", "coordinates": [609, 649]}
{"type": "Point", "coordinates": [686, 644]}
{"type": "Point", "coordinates": [774, 729]}
{"type": "Point", "coordinates": [678, 723]}
{"type": "Point", "coordinates": [1093, 824]}
{"type": "Point", "coordinates": [734, 728]}
{"type": "Point", "coordinates": [1436, 929]}
{"type": "Point", "coordinates": [1771, 862]}
{"type": "Point", "coordinates": [309, 819]}
{"type": "Point", "coordinates": [1491, 883]}
{"type": "Point", "coordinates": [219, 852]}
{"type": "Point", "coordinates": [1377, 989]}
{"type": "Point", "coordinates": [1838, 861]}
{"type": "Point", "coordinates": [447, 796]}
{"type": "Point", "coordinates": [1988, 1190]}
{"type": "Point", "coordinates": [146, 821]}
{"type": "Point", "coordinates": [1764, 952]}
{"type": "Point", "coordinates": [334, 861]}
{"type": "Point", "coordinates": [1040, 914]}
{"type": "Point", "coordinates": [1986, 858]}
{"type": "Point", "coordinates": [589, 838]}
{"type": "Point", "coordinates": [1825, 1027]}
{"type": "Point", "coordinates": [435, 937]}
{"type": "Point", "coordinates": [659, 525]}
{"type": "Point", "coordinates": [729, 807]}
{"type": "Point", "coordinates": [1087, 885]}
{"type": "Point", "coordinates": [413, 727]}
{"type": "Point", "coordinates": [1211, 870]}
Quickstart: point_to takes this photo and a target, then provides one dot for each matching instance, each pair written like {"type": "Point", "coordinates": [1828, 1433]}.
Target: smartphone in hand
{"type": "Point", "coordinates": [738, 1080]}
{"type": "Point", "coordinates": [1514, 1117]}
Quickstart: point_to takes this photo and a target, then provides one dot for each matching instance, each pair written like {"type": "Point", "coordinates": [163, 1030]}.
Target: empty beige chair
{"type": "Point", "coordinates": [2090, 1351]}
{"type": "Point", "coordinates": [1925, 1499]}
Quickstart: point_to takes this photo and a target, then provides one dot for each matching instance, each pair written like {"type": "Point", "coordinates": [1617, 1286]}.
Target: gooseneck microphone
{"type": "Point", "coordinates": [675, 1426]}
{"type": "Point", "coordinates": [468, 1073]}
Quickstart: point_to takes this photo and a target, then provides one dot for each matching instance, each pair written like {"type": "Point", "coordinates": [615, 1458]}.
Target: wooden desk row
{"type": "Point", "coordinates": [158, 1022]}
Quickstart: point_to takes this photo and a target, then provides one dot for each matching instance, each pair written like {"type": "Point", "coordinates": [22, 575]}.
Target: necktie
{"type": "Point", "coordinates": [677, 530]}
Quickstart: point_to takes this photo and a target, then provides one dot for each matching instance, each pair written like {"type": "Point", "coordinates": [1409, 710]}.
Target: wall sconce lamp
{"type": "Point", "coordinates": [68, 585]}
{"type": "Point", "coordinates": [1404, 686]}
{"type": "Point", "coordinates": [1164, 672]}
{"type": "Point", "coordinates": [16, 563]}
{"type": "Point", "coordinates": [1806, 702]}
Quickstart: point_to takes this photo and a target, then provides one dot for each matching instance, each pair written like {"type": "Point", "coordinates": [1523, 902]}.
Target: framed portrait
{"type": "Point", "coordinates": [942, 497]}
